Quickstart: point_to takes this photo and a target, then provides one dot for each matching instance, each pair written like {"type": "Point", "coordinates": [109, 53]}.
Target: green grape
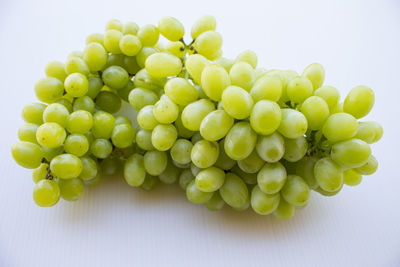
{"type": "Point", "coordinates": [131, 65]}
{"type": "Point", "coordinates": [329, 94]}
{"type": "Point", "coordinates": [56, 69]}
{"type": "Point", "coordinates": [89, 169]}
{"type": "Point", "coordinates": [130, 45]}
{"type": "Point", "coordinates": [171, 28]}
{"type": "Point", "coordinates": [224, 161]}
{"type": "Point", "coordinates": [194, 113]}
{"type": "Point", "coordinates": [108, 101]}
{"type": "Point", "coordinates": [299, 89]}
{"type": "Point", "coordinates": [50, 135]}
{"type": "Point", "coordinates": [95, 38]}
{"type": "Point", "coordinates": [271, 148]}
{"type": "Point", "coordinates": [114, 24]}
{"type": "Point", "coordinates": [185, 178]}
{"type": "Point", "coordinates": [144, 80]}
{"type": "Point", "coordinates": [94, 181]}
{"type": "Point", "coordinates": [210, 179]}
{"type": "Point", "coordinates": [243, 75]}
{"type": "Point", "coordinates": [252, 163]}
{"type": "Point", "coordinates": [162, 65]}
{"type": "Point", "coordinates": [33, 113]}
{"type": "Point", "coordinates": [141, 97]}
{"type": "Point", "coordinates": [268, 88]}
{"type": "Point", "coordinates": [207, 43]}
{"type": "Point", "coordinates": [366, 131]}
{"type": "Point", "coordinates": [84, 103]}
{"type": "Point", "coordinates": [351, 177]}
{"type": "Point", "coordinates": [115, 60]}
{"type": "Point", "coordinates": [40, 172]}
{"type": "Point", "coordinates": [50, 153]}
{"type": "Point", "coordinates": [271, 178]}
{"type": "Point", "coordinates": [130, 27]}
{"type": "Point", "coordinates": [262, 203]}
{"type": "Point", "coordinates": [316, 112]}
{"type": "Point", "coordinates": [124, 92]}
{"type": "Point", "coordinates": [26, 154]}
{"type": "Point", "coordinates": [123, 135]}
{"type": "Point", "coordinates": [196, 196]}
{"type": "Point", "coordinates": [180, 91]}
{"type": "Point", "coordinates": [76, 84]}
{"type": "Point", "coordinates": [378, 131]}
{"type": "Point", "coordinates": [296, 191]}
{"type": "Point", "coordinates": [249, 57]}
{"type": "Point", "coordinates": [111, 166]}
{"type": "Point", "coordinates": [95, 85]}
{"type": "Point", "coordinates": [265, 117]}
{"type": "Point", "coordinates": [80, 121]}
{"type": "Point", "coordinates": [293, 124]}
{"type": "Point", "coordinates": [339, 127]}
{"type": "Point", "coordinates": [111, 41]}
{"type": "Point", "coordinates": [204, 153]}
{"type": "Point", "coordinates": [71, 189]}
{"type": "Point", "coordinates": [165, 111]}
{"type": "Point", "coordinates": [359, 101]}
{"type": "Point", "coordinates": [148, 35]}
{"type": "Point", "coordinates": [76, 144]}
{"type": "Point", "coordinates": [176, 48]}
{"type": "Point", "coordinates": [351, 153]}
{"type": "Point", "coordinates": [66, 103]}
{"type": "Point", "coordinates": [49, 89]}
{"type": "Point", "coordinates": [143, 139]}
{"type": "Point", "coordinates": [46, 193]}
{"type": "Point", "coordinates": [115, 77]}
{"type": "Point", "coordinates": [134, 171]}
{"type": "Point", "coordinates": [295, 149]}
{"type": "Point", "coordinates": [143, 54]}
{"type": "Point", "coordinates": [101, 148]}
{"type": "Point", "coordinates": [146, 119]}
{"type": "Point", "coordinates": [150, 182]}
{"type": "Point", "coordinates": [95, 56]}
{"type": "Point", "coordinates": [195, 65]}
{"type": "Point", "coordinates": [226, 63]}
{"type": "Point", "coordinates": [56, 113]}
{"type": "Point", "coordinates": [155, 162]}
{"type": "Point", "coordinates": [214, 79]}
{"type": "Point", "coordinates": [248, 178]}
{"type": "Point", "coordinates": [328, 174]}
{"type": "Point", "coordinates": [369, 167]}
{"type": "Point", "coordinates": [216, 125]}
{"type": "Point", "coordinates": [326, 193]}
{"type": "Point", "coordinates": [103, 125]}
{"type": "Point", "coordinates": [237, 102]}
{"type": "Point", "coordinates": [305, 169]}
{"type": "Point", "coordinates": [240, 141]}
{"type": "Point", "coordinates": [316, 74]}
{"type": "Point", "coordinates": [76, 64]}
{"type": "Point", "coordinates": [66, 166]}
{"type": "Point", "coordinates": [234, 191]}
{"type": "Point", "coordinates": [215, 203]}
{"type": "Point", "coordinates": [164, 136]}
{"type": "Point", "coordinates": [244, 207]}
{"type": "Point", "coordinates": [27, 132]}
{"type": "Point", "coordinates": [181, 151]}
{"type": "Point", "coordinates": [170, 174]}
{"type": "Point", "coordinates": [284, 211]}
{"type": "Point", "coordinates": [203, 24]}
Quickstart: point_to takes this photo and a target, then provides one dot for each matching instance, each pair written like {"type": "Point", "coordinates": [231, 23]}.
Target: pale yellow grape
{"type": "Point", "coordinates": [66, 166]}
{"type": "Point", "coordinates": [214, 79]}
{"type": "Point", "coordinates": [111, 41]}
{"type": "Point", "coordinates": [89, 168]}
{"type": "Point", "coordinates": [143, 54]}
{"type": "Point", "coordinates": [195, 65]}
{"type": "Point", "coordinates": [316, 74]}
{"type": "Point", "coordinates": [234, 191]}
{"type": "Point", "coordinates": [351, 153]}
{"type": "Point", "coordinates": [33, 113]}
{"type": "Point", "coordinates": [146, 119]}
{"type": "Point", "coordinates": [141, 97]}
{"type": "Point", "coordinates": [56, 69]}
{"type": "Point", "coordinates": [271, 148]}
{"type": "Point", "coordinates": [170, 174]}
{"type": "Point", "coordinates": [203, 24]}
{"type": "Point", "coordinates": [155, 162]}
{"type": "Point", "coordinates": [378, 131]}
{"type": "Point", "coordinates": [295, 149]}
{"type": "Point", "coordinates": [296, 191]}
{"type": "Point", "coordinates": [210, 179]}
{"type": "Point", "coordinates": [165, 111]}
{"type": "Point", "coordinates": [50, 135]}
{"type": "Point", "coordinates": [208, 43]}
{"type": "Point", "coordinates": [194, 113]}
{"type": "Point", "coordinates": [134, 171]}
{"type": "Point", "coordinates": [114, 24]}
{"type": "Point", "coordinates": [175, 48]}
{"type": "Point", "coordinates": [240, 141]}
{"type": "Point", "coordinates": [76, 144]}
{"type": "Point", "coordinates": [224, 161]}
{"type": "Point", "coordinates": [103, 124]}
{"type": "Point", "coordinates": [160, 65]}
{"type": "Point", "coordinates": [76, 84]}
{"type": "Point", "coordinates": [216, 125]}
{"type": "Point", "coordinates": [171, 28]}
{"type": "Point", "coordinates": [79, 121]}
{"type": "Point", "coordinates": [328, 174]}
{"type": "Point", "coordinates": [204, 153]}
{"type": "Point", "coordinates": [216, 55]}
{"type": "Point", "coordinates": [196, 196]}
{"type": "Point", "coordinates": [366, 131]}
{"type": "Point", "coordinates": [262, 203]}
{"type": "Point", "coordinates": [130, 27]}
{"type": "Point", "coordinates": [185, 178]}
{"type": "Point", "coordinates": [164, 136]}
{"type": "Point", "coordinates": [316, 112]}
{"type": "Point", "coordinates": [330, 94]}
{"type": "Point", "coordinates": [182, 130]}
{"type": "Point", "coordinates": [181, 91]}
{"type": "Point", "coordinates": [148, 35]}
{"type": "Point", "coordinates": [40, 172]}
{"type": "Point", "coordinates": [284, 211]}
{"type": "Point", "coordinates": [265, 117]}
{"type": "Point", "coordinates": [267, 87]}
{"type": "Point", "coordinates": [75, 64]}
{"type": "Point", "coordinates": [237, 102]}
{"type": "Point", "coordinates": [49, 89]}
{"type": "Point", "coordinates": [293, 124]}
{"type": "Point", "coordinates": [56, 113]}
{"type": "Point", "coordinates": [243, 75]}
{"type": "Point", "coordinates": [95, 56]}
{"type": "Point", "coordinates": [359, 101]}
{"type": "Point", "coordinates": [272, 177]}
{"type": "Point", "coordinates": [27, 154]}
{"type": "Point", "coordinates": [181, 151]}
{"type": "Point", "coordinates": [27, 132]}
{"type": "Point", "coordinates": [123, 135]}
{"type": "Point", "coordinates": [249, 57]}
{"type": "Point", "coordinates": [130, 45]}
{"type": "Point", "coordinates": [46, 193]}
{"type": "Point", "coordinates": [50, 153]}
{"type": "Point", "coordinates": [252, 163]}
{"type": "Point", "coordinates": [299, 89]}
{"type": "Point", "coordinates": [351, 177]}
{"type": "Point", "coordinates": [305, 169]}
{"type": "Point", "coordinates": [95, 38]}
{"type": "Point", "coordinates": [369, 167]}
{"type": "Point", "coordinates": [143, 139]}
{"type": "Point", "coordinates": [215, 203]}
{"type": "Point", "coordinates": [339, 127]}
{"type": "Point", "coordinates": [150, 182]}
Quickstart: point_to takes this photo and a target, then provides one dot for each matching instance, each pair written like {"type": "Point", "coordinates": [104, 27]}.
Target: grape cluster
{"type": "Point", "coordinates": [225, 130]}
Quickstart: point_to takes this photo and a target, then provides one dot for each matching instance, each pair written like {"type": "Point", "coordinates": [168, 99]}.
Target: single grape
{"type": "Point", "coordinates": [95, 38]}
{"type": "Point", "coordinates": [293, 124]}
{"type": "Point", "coordinates": [101, 148]}
{"type": "Point", "coordinates": [95, 56]}
{"type": "Point", "coordinates": [66, 166]}
{"type": "Point", "coordinates": [84, 103]}
{"type": "Point", "coordinates": [76, 144]}
{"type": "Point", "coordinates": [89, 169]}
{"type": "Point", "coordinates": [27, 154]}
{"type": "Point", "coordinates": [328, 174]}
{"type": "Point", "coordinates": [194, 113]}
{"type": "Point", "coordinates": [76, 84]}
{"type": "Point", "coordinates": [165, 111]}
{"type": "Point", "coordinates": [75, 64]}
{"type": "Point", "coordinates": [216, 125]}
{"type": "Point", "coordinates": [134, 171]}
{"type": "Point", "coordinates": [248, 56]}
{"type": "Point", "coordinates": [359, 101]}
{"type": "Point", "coordinates": [316, 74]}
{"type": "Point", "coordinates": [130, 27]}
{"type": "Point", "coordinates": [49, 89]}
{"type": "Point", "coordinates": [204, 153]}
{"type": "Point", "coordinates": [56, 113]}
{"type": "Point", "coordinates": [316, 112]}
{"type": "Point", "coordinates": [130, 45]}
{"type": "Point", "coordinates": [108, 101]}
{"type": "Point", "coordinates": [196, 196]}
{"type": "Point", "coordinates": [180, 91]}
{"type": "Point", "coordinates": [240, 141]}
{"type": "Point", "coordinates": [40, 172]}
{"type": "Point", "coordinates": [71, 189]}
{"type": "Point", "coordinates": [148, 35]}
{"type": "Point", "coordinates": [237, 102]}
{"type": "Point", "coordinates": [351, 177]}
{"type": "Point", "coordinates": [146, 119]}
{"type": "Point", "coordinates": [329, 94]}
{"type": "Point", "coordinates": [141, 97]}
{"type": "Point", "coordinates": [164, 136]}
{"type": "Point", "coordinates": [295, 149]}
{"type": "Point", "coordinates": [170, 175]}
{"type": "Point", "coordinates": [27, 132]}
{"type": "Point", "coordinates": [95, 85]}
{"type": "Point", "coordinates": [351, 153]}
{"type": "Point", "coordinates": [50, 135]}
{"type": "Point", "coordinates": [111, 41]}
{"type": "Point", "coordinates": [265, 117]}
{"type": "Point", "coordinates": [207, 43]}
{"type": "Point", "coordinates": [369, 167]}
{"type": "Point", "coordinates": [214, 80]}
{"type": "Point", "coordinates": [242, 75]}
{"type": "Point", "coordinates": [339, 127]}
{"type": "Point", "coordinates": [162, 65]}
{"type": "Point", "coordinates": [267, 87]}
{"type": "Point", "coordinates": [114, 24]}
{"type": "Point", "coordinates": [195, 65]}
{"type": "Point", "coordinates": [271, 148]}
{"type": "Point", "coordinates": [299, 89]}
{"type": "Point", "coordinates": [284, 211]}
{"type": "Point", "coordinates": [210, 179]}
{"type": "Point", "coordinates": [123, 135]}
{"type": "Point", "coordinates": [155, 162]}
{"type": "Point", "coordinates": [185, 178]}
{"type": "Point", "coordinates": [262, 203]}
{"type": "Point", "coordinates": [46, 193]}
{"type": "Point", "coordinates": [171, 28]}
{"type": "Point", "coordinates": [103, 124]}
{"type": "Point", "coordinates": [216, 202]}
{"type": "Point", "coordinates": [252, 163]}
{"type": "Point", "coordinates": [272, 177]}
{"type": "Point", "coordinates": [80, 121]}
{"type": "Point", "coordinates": [181, 151]}
{"type": "Point", "coordinates": [296, 191]}
{"type": "Point", "coordinates": [115, 77]}
{"type": "Point", "coordinates": [33, 113]}
{"type": "Point", "coordinates": [177, 49]}
{"type": "Point", "coordinates": [56, 69]}
{"type": "Point", "coordinates": [143, 139]}
{"type": "Point", "coordinates": [234, 191]}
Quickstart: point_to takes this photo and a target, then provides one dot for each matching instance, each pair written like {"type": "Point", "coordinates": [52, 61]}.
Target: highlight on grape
{"type": "Point", "coordinates": [225, 130]}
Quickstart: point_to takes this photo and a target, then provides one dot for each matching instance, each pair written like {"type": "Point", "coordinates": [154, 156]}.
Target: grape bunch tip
{"type": "Point", "coordinates": [227, 131]}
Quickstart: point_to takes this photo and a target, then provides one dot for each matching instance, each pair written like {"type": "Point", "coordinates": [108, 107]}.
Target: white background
{"type": "Point", "coordinates": [358, 42]}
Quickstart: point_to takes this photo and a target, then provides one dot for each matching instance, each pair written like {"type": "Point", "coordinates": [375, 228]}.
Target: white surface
{"type": "Point", "coordinates": [113, 225]}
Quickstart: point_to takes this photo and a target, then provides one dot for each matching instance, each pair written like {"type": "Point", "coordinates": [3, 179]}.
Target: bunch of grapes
{"type": "Point", "coordinates": [225, 130]}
